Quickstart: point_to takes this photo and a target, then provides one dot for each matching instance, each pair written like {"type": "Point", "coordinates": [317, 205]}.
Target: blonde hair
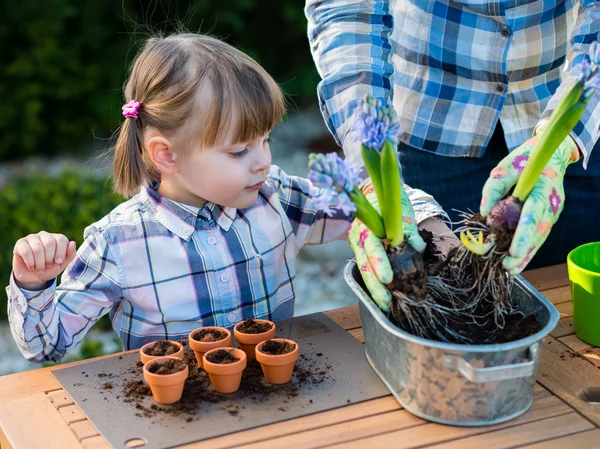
{"type": "Point", "coordinates": [167, 78]}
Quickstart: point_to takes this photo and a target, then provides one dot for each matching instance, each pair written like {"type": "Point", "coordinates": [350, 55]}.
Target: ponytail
{"type": "Point", "coordinates": [130, 171]}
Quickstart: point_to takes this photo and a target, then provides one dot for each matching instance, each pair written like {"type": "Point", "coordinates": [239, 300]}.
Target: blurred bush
{"type": "Point", "coordinates": [66, 204]}
{"type": "Point", "coordinates": [63, 62]}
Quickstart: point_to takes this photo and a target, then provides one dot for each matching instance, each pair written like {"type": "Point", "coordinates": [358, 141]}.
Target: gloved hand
{"type": "Point", "coordinates": [542, 207]}
{"type": "Point", "coordinates": [371, 257]}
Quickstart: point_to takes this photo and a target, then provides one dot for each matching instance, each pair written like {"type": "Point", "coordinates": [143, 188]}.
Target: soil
{"type": "Point", "coordinates": [162, 348]}
{"type": "Point", "coordinates": [169, 367]}
{"type": "Point", "coordinates": [198, 390]}
{"type": "Point", "coordinates": [208, 335]}
{"type": "Point", "coordinates": [249, 326]}
{"type": "Point", "coordinates": [274, 347]}
{"type": "Point", "coordinates": [482, 329]}
{"type": "Point", "coordinates": [221, 357]}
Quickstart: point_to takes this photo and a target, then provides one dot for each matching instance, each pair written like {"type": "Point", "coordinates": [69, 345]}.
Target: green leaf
{"type": "Point", "coordinates": [366, 213]}
{"type": "Point", "coordinates": [373, 164]}
{"type": "Point", "coordinates": [391, 208]}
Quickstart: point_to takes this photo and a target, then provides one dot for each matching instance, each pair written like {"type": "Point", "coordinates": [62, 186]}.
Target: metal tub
{"type": "Point", "coordinates": [465, 385]}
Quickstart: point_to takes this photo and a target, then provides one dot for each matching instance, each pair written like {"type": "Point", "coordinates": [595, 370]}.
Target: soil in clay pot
{"type": "Point", "coordinates": [166, 377]}
{"type": "Point", "coordinates": [277, 358]}
{"type": "Point", "coordinates": [161, 348]}
{"type": "Point", "coordinates": [251, 332]}
{"type": "Point", "coordinates": [224, 367]}
{"type": "Point", "coordinates": [207, 338]}
{"type": "Point", "coordinates": [473, 326]}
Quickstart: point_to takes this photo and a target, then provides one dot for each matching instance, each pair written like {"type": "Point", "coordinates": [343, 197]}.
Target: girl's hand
{"type": "Point", "coordinates": [39, 258]}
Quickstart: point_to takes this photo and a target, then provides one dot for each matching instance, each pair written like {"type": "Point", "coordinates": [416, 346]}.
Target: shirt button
{"type": "Point", "coordinates": [500, 88]}
{"type": "Point", "coordinates": [212, 240]}
{"type": "Point", "coordinates": [186, 231]}
{"type": "Point", "coordinates": [224, 277]}
{"type": "Point", "coordinates": [232, 318]}
{"type": "Point", "coordinates": [505, 32]}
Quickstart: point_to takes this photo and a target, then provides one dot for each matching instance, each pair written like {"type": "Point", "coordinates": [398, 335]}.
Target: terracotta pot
{"type": "Point", "coordinates": [146, 357]}
{"type": "Point", "coordinates": [277, 369]}
{"type": "Point", "coordinates": [248, 342]}
{"type": "Point", "coordinates": [166, 388]}
{"type": "Point", "coordinates": [225, 378]}
{"type": "Point", "coordinates": [200, 347]}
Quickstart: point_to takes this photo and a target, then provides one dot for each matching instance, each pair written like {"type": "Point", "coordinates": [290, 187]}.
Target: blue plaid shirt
{"type": "Point", "coordinates": [162, 269]}
{"type": "Point", "coordinates": [452, 69]}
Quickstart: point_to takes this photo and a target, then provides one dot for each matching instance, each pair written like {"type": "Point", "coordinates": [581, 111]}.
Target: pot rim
{"type": "Point", "coordinates": [195, 344]}
{"type": "Point", "coordinates": [237, 331]}
{"type": "Point", "coordinates": [166, 377]}
{"type": "Point", "coordinates": [225, 368]}
{"type": "Point", "coordinates": [147, 345]}
{"type": "Point", "coordinates": [366, 301]}
{"type": "Point", "coordinates": [280, 359]}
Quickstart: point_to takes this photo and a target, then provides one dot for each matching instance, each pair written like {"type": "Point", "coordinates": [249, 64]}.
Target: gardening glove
{"type": "Point", "coordinates": [543, 205]}
{"type": "Point", "coordinates": [371, 257]}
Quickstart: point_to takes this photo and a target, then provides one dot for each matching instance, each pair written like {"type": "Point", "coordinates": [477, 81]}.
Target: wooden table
{"type": "Point", "coordinates": [36, 412]}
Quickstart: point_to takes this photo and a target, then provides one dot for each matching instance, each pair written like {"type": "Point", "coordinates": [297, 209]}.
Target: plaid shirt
{"type": "Point", "coordinates": [162, 269]}
{"type": "Point", "coordinates": [452, 69]}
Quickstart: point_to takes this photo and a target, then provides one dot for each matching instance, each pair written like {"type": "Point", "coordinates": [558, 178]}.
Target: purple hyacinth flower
{"type": "Point", "coordinates": [375, 123]}
{"type": "Point", "coordinates": [337, 178]}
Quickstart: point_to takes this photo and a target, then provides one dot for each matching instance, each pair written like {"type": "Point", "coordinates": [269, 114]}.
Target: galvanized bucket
{"type": "Point", "coordinates": [465, 385]}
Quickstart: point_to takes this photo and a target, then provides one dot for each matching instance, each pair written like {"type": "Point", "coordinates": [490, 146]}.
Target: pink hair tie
{"type": "Point", "coordinates": [130, 110]}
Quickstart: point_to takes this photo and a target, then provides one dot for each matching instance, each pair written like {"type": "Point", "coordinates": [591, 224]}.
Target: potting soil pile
{"type": "Point", "coordinates": [331, 372]}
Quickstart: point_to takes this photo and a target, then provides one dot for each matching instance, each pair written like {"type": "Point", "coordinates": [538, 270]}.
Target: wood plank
{"type": "Point", "coordinates": [347, 431]}
{"type": "Point", "coordinates": [358, 334]}
{"type": "Point", "coordinates": [558, 295]}
{"type": "Point", "coordinates": [348, 317]}
{"type": "Point", "coordinates": [548, 277]}
{"type": "Point", "coordinates": [563, 328]}
{"type": "Point", "coordinates": [96, 442]}
{"type": "Point", "coordinates": [565, 309]}
{"type": "Point", "coordinates": [18, 385]}
{"type": "Point", "coordinates": [83, 429]}
{"type": "Point", "coordinates": [60, 398]}
{"type": "Point", "coordinates": [333, 417]}
{"type": "Point", "coordinates": [583, 440]}
{"type": "Point", "coordinates": [566, 374]}
{"type": "Point", "coordinates": [71, 414]}
{"type": "Point", "coordinates": [432, 433]}
{"type": "Point", "coordinates": [533, 432]}
{"type": "Point", "coordinates": [33, 422]}
{"type": "Point", "coordinates": [591, 353]}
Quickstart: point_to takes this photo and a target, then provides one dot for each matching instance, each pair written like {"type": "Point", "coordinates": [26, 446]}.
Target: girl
{"type": "Point", "coordinates": [211, 231]}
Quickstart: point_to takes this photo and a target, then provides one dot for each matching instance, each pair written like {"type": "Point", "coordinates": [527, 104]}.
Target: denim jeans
{"type": "Point", "coordinates": [456, 184]}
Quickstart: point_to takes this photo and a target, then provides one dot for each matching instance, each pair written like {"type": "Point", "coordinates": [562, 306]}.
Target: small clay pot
{"type": "Point", "coordinates": [200, 347]}
{"type": "Point", "coordinates": [248, 342]}
{"type": "Point", "coordinates": [166, 388]}
{"type": "Point", "coordinates": [147, 357]}
{"type": "Point", "coordinates": [277, 369]}
{"type": "Point", "coordinates": [226, 377]}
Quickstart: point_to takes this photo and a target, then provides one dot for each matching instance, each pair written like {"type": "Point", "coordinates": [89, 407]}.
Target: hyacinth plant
{"type": "Point", "coordinates": [414, 306]}
{"type": "Point", "coordinates": [487, 241]}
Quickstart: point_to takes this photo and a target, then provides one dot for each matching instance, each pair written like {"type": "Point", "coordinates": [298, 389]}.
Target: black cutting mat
{"type": "Point", "coordinates": [340, 375]}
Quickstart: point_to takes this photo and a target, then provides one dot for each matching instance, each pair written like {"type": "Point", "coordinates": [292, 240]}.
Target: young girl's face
{"type": "Point", "coordinates": [226, 174]}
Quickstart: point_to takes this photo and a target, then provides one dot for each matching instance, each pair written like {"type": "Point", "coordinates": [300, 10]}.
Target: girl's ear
{"type": "Point", "coordinates": [160, 150]}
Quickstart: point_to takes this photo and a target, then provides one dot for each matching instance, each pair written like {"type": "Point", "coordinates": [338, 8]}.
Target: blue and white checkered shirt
{"type": "Point", "coordinates": [451, 69]}
{"type": "Point", "coordinates": [162, 269]}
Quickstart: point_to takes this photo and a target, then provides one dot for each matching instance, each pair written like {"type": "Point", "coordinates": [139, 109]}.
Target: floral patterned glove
{"type": "Point", "coordinates": [371, 257]}
{"type": "Point", "coordinates": [542, 207]}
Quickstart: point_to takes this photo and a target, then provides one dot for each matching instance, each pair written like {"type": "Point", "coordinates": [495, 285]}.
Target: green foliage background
{"type": "Point", "coordinates": [63, 62]}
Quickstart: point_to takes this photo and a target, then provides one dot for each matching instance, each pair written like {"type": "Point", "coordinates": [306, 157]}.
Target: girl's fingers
{"type": "Point", "coordinates": [378, 292]}
{"type": "Point", "coordinates": [39, 254]}
{"type": "Point", "coordinates": [49, 242]}
{"type": "Point", "coordinates": [25, 253]}
{"type": "Point", "coordinates": [70, 255]}
{"type": "Point", "coordinates": [62, 243]}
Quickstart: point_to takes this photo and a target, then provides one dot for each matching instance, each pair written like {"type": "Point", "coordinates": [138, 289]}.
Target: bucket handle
{"type": "Point", "coordinates": [495, 373]}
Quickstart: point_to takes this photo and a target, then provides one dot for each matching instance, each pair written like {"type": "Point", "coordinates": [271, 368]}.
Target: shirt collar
{"type": "Point", "coordinates": [181, 218]}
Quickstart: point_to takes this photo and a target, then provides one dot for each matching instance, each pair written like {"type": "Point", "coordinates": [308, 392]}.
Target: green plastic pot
{"type": "Point", "coordinates": [584, 275]}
